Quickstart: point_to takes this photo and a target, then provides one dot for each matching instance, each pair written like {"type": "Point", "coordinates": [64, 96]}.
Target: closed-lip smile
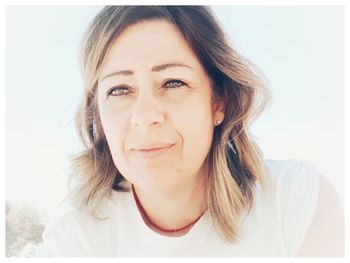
{"type": "Point", "coordinates": [152, 150]}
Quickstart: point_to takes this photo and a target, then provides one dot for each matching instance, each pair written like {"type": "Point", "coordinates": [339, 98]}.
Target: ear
{"type": "Point", "coordinates": [219, 112]}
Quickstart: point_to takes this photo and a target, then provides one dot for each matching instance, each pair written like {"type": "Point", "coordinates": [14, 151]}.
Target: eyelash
{"type": "Point", "coordinates": [126, 88]}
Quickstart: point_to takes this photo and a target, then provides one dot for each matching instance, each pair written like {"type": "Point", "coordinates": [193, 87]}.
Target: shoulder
{"type": "Point", "coordinates": [68, 216]}
{"type": "Point", "coordinates": [64, 234]}
{"type": "Point", "coordinates": [293, 176]}
{"type": "Point", "coordinates": [295, 185]}
{"type": "Point", "coordinates": [310, 210]}
{"type": "Point", "coordinates": [325, 236]}
{"type": "Point", "coordinates": [290, 168]}
{"type": "Point", "coordinates": [293, 179]}
{"type": "Point", "coordinates": [289, 178]}
{"type": "Point", "coordinates": [71, 219]}
{"type": "Point", "coordinates": [72, 232]}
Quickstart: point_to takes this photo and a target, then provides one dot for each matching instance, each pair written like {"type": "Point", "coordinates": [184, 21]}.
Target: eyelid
{"type": "Point", "coordinates": [183, 83]}
{"type": "Point", "coordinates": [115, 88]}
{"type": "Point", "coordinates": [174, 80]}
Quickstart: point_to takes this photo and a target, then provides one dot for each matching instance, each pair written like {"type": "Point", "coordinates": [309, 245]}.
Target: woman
{"type": "Point", "coordinates": [169, 167]}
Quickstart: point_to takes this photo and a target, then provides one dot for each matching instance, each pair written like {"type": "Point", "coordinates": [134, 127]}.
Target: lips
{"type": "Point", "coordinates": [151, 147]}
{"type": "Point", "coordinates": [151, 150]}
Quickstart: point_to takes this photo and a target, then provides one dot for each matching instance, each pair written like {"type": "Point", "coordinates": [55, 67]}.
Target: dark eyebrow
{"type": "Point", "coordinates": [155, 68]}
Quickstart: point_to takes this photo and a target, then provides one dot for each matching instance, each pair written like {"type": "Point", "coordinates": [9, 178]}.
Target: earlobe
{"type": "Point", "coordinates": [219, 113]}
{"type": "Point", "coordinates": [219, 117]}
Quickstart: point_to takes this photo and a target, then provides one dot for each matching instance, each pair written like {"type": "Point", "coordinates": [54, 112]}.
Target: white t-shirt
{"type": "Point", "coordinates": [275, 226]}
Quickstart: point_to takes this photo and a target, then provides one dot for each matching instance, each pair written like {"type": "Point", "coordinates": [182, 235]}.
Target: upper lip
{"type": "Point", "coordinates": [151, 146]}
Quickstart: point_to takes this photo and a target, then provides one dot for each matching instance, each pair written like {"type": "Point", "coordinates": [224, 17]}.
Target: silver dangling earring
{"type": "Point", "coordinates": [218, 123]}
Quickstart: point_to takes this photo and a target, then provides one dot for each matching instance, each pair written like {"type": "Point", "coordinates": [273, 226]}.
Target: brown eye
{"type": "Point", "coordinates": [118, 91]}
{"type": "Point", "coordinates": [174, 83]}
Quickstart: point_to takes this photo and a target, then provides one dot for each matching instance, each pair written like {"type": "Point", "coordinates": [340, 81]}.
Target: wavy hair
{"type": "Point", "coordinates": [234, 163]}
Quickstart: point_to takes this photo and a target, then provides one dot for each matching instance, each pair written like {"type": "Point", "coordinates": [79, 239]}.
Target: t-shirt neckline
{"type": "Point", "coordinates": [136, 214]}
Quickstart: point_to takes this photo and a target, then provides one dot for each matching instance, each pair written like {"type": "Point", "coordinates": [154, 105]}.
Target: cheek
{"type": "Point", "coordinates": [115, 133]}
{"type": "Point", "coordinates": [115, 130]}
{"type": "Point", "coordinates": [196, 129]}
{"type": "Point", "coordinates": [196, 116]}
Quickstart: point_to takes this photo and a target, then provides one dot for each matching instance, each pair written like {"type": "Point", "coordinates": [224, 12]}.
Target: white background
{"type": "Point", "coordinates": [300, 49]}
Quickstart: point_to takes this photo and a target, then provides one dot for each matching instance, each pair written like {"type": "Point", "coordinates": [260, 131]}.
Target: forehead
{"type": "Point", "coordinates": [149, 43]}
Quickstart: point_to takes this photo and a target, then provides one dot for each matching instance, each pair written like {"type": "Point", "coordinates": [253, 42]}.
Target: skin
{"type": "Point", "coordinates": [144, 109]}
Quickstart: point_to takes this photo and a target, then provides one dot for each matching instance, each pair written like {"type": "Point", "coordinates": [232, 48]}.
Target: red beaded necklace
{"type": "Point", "coordinates": [156, 226]}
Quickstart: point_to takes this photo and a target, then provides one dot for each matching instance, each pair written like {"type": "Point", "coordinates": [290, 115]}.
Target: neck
{"type": "Point", "coordinates": [176, 207]}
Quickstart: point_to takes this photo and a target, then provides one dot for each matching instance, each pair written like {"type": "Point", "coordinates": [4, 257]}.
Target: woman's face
{"type": "Point", "coordinates": [155, 105]}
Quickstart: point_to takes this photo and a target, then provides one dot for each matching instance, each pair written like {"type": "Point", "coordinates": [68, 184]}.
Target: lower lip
{"type": "Point", "coordinates": [152, 153]}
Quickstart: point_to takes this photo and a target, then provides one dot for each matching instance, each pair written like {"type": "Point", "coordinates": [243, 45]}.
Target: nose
{"type": "Point", "coordinates": [147, 111]}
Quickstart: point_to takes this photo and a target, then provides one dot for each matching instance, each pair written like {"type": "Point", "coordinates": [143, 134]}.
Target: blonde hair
{"type": "Point", "coordinates": [234, 163]}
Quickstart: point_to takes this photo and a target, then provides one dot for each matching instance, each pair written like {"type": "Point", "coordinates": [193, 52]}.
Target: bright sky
{"type": "Point", "coordinates": [300, 49]}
